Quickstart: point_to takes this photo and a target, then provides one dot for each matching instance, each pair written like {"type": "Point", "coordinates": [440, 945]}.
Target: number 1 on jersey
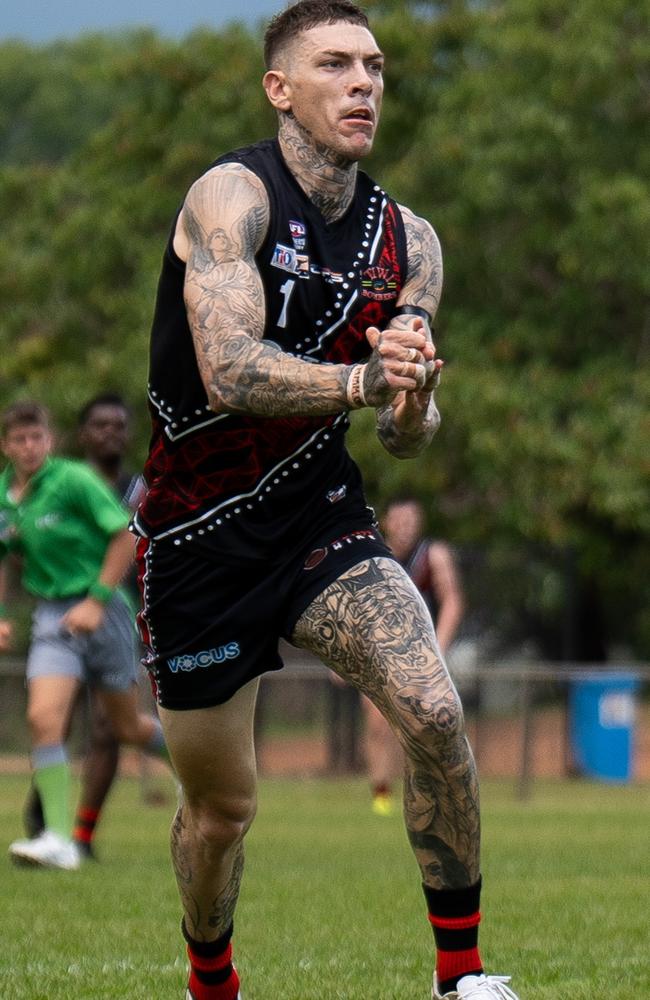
{"type": "Point", "coordinates": [285, 290]}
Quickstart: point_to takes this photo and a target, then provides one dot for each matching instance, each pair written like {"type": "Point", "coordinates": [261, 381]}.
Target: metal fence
{"type": "Point", "coordinates": [518, 718]}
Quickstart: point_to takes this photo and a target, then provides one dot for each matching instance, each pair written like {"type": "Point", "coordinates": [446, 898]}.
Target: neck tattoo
{"type": "Point", "coordinates": [327, 178]}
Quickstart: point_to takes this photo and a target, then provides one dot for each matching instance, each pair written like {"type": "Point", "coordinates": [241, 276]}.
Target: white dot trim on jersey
{"type": "Point", "coordinates": [368, 256]}
{"type": "Point", "coordinates": [171, 425]}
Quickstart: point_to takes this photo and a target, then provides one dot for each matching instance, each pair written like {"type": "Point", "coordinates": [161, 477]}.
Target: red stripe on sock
{"type": "Point", "coordinates": [82, 834]}
{"type": "Point", "coordinates": [87, 815]}
{"type": "Point", "coordinates": [222, 991]}
{"type": "Point", "coordinates": [456, 964]}
{"type": "Point", "coordinates": [455, 923]}
{"type": "Point", "coordinates": [212, 964]}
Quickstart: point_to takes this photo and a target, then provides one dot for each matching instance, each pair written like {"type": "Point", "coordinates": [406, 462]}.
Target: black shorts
{"type": "Point", "coordinates": [211, 622]}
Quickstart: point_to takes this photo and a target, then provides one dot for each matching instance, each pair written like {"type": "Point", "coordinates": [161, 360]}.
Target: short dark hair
{"type": "Point", "coordinates": [22, 414]}
{"type": "Point", "coordinates": [104, 399]}
{"type": "Point", "coordinates": [306, 14]}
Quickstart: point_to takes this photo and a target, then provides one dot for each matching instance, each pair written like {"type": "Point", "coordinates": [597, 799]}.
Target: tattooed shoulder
{"type": "Point", "coordinates": [423, 285]}
{"type": "Point", "coordinates": [225, 216]}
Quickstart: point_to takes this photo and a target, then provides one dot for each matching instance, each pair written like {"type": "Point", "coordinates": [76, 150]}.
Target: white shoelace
{"type": "Point", "coordinates": [491, 986]}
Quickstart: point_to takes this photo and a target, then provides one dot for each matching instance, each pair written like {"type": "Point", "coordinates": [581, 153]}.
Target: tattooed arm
{"type": "Point", "coordinates": [406, 425]}
{"type": "Point", "coordinates": [221, 227]}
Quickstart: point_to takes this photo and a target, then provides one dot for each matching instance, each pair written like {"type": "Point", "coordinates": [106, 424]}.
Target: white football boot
{"type": "Point", "coordinates": [477, 988]}
{"type": "Point", "coordinates": [48, 850]}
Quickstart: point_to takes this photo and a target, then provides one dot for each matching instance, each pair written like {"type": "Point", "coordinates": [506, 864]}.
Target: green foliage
{"type": "Point", "coordinates": [528, 158]}
{"type": "Point", "coordinates": [85, 237]}
{"type": "Point", "coordinates": [517, 128]}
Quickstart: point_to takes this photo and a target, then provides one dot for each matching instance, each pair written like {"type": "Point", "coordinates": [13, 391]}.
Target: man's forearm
{"type": "Point", "coordinates": [407, 440]}
{"type": "Point", "coordinates": [256, 377]}
{"type": "Point", "coordinates": [118, 559]}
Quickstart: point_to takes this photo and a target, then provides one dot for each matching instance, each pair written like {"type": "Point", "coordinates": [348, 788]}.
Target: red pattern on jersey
{"type": "Point", "coordinates": [224, 462]}
{"type": "Point", "coordinates": [351, 344]}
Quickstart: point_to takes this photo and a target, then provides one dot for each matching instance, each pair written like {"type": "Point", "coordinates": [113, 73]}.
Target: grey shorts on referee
{"type": "Point", "coordinates": [106, 658]}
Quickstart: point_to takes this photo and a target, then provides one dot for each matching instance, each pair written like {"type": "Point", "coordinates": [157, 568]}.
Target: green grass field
{"type": "Point", "coordinates": [331, 906]}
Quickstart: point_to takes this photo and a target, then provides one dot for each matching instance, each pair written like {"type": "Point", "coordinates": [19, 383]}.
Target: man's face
{"type": "Point", "coordinates": [105, 434]}
{"type": "Point", "coordinates": [27, 446]}
{"type": "Point", "coordinates": [403, 527]}
{"type": "Point", "coordinates": [334, 85]}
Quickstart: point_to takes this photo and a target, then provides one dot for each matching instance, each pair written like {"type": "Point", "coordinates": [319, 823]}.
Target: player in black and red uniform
{"type": "Point", "coordinates": [293, 290]}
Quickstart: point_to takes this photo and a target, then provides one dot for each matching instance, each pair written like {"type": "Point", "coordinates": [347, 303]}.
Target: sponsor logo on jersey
{"type": "Point", "coordinates": [331, 277]}
{"type": "Point", "coordinates": [335, 495]}
{"type": "Point", "coordinates": [287, 259]}
{"type": "Point", "coordinates": [206, 658]}
{"type": "Point", "coordinates": [378, 283]}
{"type": "Point", "coordinates": [298, 232]}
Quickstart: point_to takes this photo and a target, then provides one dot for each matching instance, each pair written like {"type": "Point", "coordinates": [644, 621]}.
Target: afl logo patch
{"type": "Point", "coordinates": [315, 558]}
{"type": "Point", "coordinates": [378, 283]}
{"type": "Point", "coordinates": [298, 232]}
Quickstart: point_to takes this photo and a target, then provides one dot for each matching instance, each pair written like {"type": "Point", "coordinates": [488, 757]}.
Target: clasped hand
{"type": "Point", "coordinates": [402, 360]}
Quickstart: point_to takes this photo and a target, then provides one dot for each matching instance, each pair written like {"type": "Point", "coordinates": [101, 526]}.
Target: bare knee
{"type": "Point", "coordinates": [44, 726]}
{"type": "Point", "coordinates": [220, 824]}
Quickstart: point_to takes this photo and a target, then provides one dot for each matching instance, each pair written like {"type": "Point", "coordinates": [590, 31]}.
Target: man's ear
{"type": "Point", "coordinates": [277, 89]}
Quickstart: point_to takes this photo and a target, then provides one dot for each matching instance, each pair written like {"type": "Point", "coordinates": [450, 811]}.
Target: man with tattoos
{"type": "Point", "coordinates": [293, 290]}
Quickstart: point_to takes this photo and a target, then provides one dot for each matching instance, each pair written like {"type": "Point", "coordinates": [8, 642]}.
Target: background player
{"type": "Point", "coordinates": [104, 433]}
{"type": "Point", "coordinates": [72, 535]}
{"type": "Point", "coordinates": [293, 289]}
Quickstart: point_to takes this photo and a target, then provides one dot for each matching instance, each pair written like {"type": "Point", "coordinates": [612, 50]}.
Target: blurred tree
{"type": "Point", "coordinates": [84, 238]}
{"type": "Point", "coordinates": [529, 158]}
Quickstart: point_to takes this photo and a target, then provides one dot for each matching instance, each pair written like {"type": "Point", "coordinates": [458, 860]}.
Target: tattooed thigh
{"type": "Point", "coordinates": [372, 627]}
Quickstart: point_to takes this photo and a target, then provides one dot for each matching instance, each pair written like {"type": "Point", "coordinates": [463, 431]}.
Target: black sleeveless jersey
{"type": "Point", "coordinates": [250, 480]}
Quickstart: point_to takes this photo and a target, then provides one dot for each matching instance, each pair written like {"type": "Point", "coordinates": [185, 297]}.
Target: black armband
{"type": "Point", "coordinates": [413, 311]}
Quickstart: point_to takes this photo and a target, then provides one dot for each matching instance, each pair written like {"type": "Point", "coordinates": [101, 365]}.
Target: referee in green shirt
{"type": "Point", "coordinates": [71, 534]}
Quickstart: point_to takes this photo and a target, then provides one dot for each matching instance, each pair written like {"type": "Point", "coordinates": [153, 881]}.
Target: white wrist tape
{"type": "Point", "coordinates": [354, 390]}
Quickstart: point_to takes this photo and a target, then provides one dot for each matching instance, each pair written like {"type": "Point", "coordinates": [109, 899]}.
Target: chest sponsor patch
{"type": "Point", "coordinates": [287, 259]}
{"type": "Point", "coordinates": [326, 273]}
{"type": "Point", "coordinates": [298, 232]}
{"type": "Point", "coordinates": [338, 494]}
{"type": "Point", "coordinates": [379, 283]}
